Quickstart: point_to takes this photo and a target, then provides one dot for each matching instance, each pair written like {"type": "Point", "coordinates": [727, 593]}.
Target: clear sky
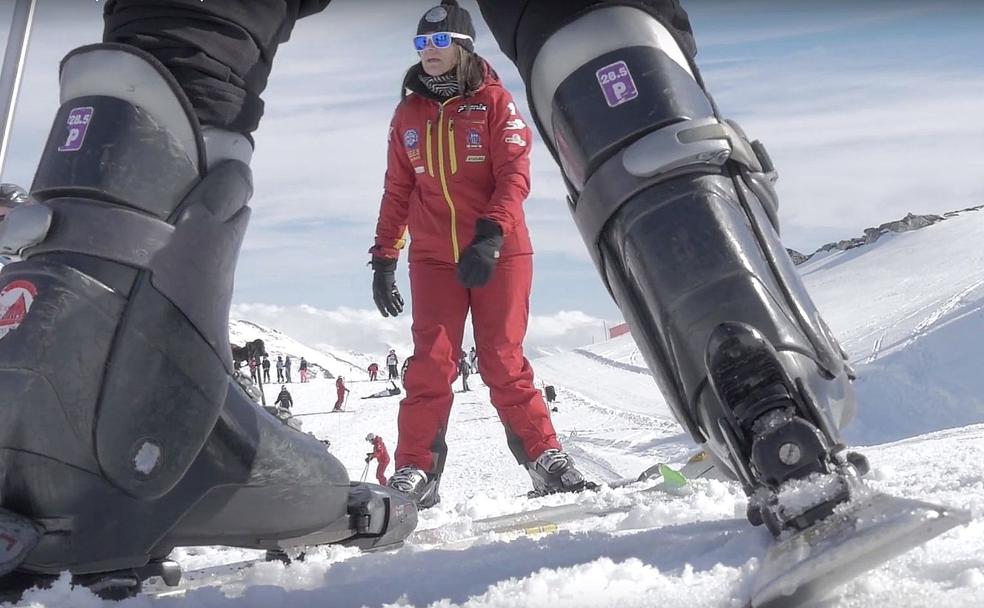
{"type": "Point", "coordinates": [869, 109]}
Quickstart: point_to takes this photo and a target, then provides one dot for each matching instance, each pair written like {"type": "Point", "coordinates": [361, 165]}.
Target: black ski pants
{"type": "Point", "coordinates": [221, 51]}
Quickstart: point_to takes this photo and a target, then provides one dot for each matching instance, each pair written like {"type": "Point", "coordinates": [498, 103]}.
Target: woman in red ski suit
{"type": "Point", "coordinates": [381, 455]}
{"type": "Point", "coordinates": [457, 175]}
{"type": "Point", "coordinates": [340, 391]}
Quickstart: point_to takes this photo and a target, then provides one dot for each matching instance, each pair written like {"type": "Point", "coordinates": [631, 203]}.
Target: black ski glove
{"type": "Point", "coordinates": [477, 261]}
{"type": "Point", "coordinates": [384, 291]}
{"type": "Point", "coordinates": [368, 458]}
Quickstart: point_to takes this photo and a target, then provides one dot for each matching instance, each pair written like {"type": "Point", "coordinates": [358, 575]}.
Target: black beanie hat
{"type": "Point", "coordinates": [449, 17]}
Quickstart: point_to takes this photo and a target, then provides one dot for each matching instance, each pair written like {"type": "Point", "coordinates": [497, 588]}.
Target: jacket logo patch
{"type": "Point", "coordinates": [472, 107]}
{"type": "Point", "coordinates": [515, 124]}
{"type": "Point", "coordinates": [475, 159]}
{"type": "Point", "coordinates": [474, 138]}
{"type": "Point", "coordinates": [411, 138]}
{"type": "Point", "coordinates": [515, 139]}
{"type": "Point", "coordinates": [418, 169]}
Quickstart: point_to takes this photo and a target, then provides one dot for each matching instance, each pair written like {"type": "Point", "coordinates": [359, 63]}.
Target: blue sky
{"type": "Point", "coordinates": [869, 109]}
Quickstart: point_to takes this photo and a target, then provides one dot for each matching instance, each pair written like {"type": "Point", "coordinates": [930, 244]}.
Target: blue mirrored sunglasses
{"type": "Point", "coordinates": [440, 40]}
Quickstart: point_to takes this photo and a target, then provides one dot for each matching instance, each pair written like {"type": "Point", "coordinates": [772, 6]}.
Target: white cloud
{"type": "Point", "coordinates": [365, 331]}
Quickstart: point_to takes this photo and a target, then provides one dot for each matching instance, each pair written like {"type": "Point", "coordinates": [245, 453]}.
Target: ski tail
{"type": "Point", "coordinates": [807, 565]}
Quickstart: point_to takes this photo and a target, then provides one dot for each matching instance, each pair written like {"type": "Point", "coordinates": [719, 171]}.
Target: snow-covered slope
{"type": "Point", "coordinates": [908, 308]}
{"type": "Point", "coordinates": [339, 363]}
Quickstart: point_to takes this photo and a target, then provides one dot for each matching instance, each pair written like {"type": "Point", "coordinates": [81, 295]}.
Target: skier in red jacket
{"type": "Point", "coordinates": [458, 171]}
{"type": "Point", "coordinates": [380, 453]}
{"type": "Point", "coordinates": [373, 370]}
{"type": "Point", "coordinates": [340, 390]}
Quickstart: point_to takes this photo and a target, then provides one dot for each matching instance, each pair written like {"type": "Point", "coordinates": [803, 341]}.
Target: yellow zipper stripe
{"type": "Point", "coordinates": [452, 148]}
{"type": "Point", "coordinates": [430, 158]}
{"type": "Point", "coordinates": [444, 180]}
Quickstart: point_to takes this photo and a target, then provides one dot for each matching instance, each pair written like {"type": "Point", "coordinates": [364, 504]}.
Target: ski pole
{"type": "Point", "coordinates": [365, 472]}
{"type": "Point", "coordinates": [14, 58]}
{"type": "Point", "coordinates": [311, 414]}
{"type": "Point", "coordinates": [259, 381]}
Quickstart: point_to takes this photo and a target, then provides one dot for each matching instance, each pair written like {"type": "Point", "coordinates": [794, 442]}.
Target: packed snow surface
{"type": "Point", "coordinates": [907, 308]}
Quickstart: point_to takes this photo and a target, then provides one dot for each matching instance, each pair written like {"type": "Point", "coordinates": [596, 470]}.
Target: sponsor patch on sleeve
{"type": "Point", "coordinates": [516, 139]}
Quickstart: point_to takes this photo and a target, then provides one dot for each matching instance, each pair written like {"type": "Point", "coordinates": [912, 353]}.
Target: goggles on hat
{"type": "Point", "coordinates": [441, 40]}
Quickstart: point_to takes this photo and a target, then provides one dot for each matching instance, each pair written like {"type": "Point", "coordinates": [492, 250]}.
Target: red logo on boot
{"type": "Point", "coordinates": [15, 300]}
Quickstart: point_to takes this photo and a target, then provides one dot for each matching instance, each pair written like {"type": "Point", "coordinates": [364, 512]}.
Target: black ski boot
{"type": "Point", "coordinates": [679, 212]}
{"type": "Point", "coordinates": [417, 485]}
{"type": "Point", "coordinates": [553, 472]}
{"type": "Point", "coordinates": [123, 433]}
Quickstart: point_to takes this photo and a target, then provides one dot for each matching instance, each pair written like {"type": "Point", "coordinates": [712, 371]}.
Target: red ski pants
{"type": "Point", "coordinates": [383, 462]}
{"type": "Point", "coordinates": [341, 399]}
{"type": "Point", "coordinates": [500, 313]}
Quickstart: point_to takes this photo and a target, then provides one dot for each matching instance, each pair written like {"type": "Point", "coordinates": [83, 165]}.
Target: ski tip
{"type": "Point", "coordinates": [671, 477]}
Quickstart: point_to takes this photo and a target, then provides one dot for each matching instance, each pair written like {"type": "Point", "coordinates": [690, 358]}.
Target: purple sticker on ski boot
{"type": "Point", "coordinates": [617, 84]}
{"type": "Point", "coordinates": [76, 127]}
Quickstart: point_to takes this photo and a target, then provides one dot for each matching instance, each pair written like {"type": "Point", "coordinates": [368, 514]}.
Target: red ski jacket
{"type": "Point", "coordinates": [449, 164]}
{"type": "Point", "coordinates": [379, 449]}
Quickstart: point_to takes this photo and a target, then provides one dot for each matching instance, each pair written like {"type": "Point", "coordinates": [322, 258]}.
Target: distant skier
{"type": "Point", "coordinates": [340, 390]}
{"type": "Point", "coordinates": [386, 392]}
{"type": "Point", "coordinates": [287, 364]}
{"type": "Point", "coordinates": [473, 359]}
{"type": "Point", "coordinates": [303, 369]}
{"type": "Point", "coordinates": [266, 369]}
{"type": "Point", "coordinates": [381, 455]}
{"type": "Point", "coordinates": [464, 370]}
{"type": "Point", "coordinates": [252, 368]}
{"type": "Point", "coordinates": [373, 371]}
{"type": "Point", "coordinates": [280, 368]}
{"type": "Point", "coordinates": [392, 362]}
{"type": "Point", "coordinates": [284, 399]}
{"type": "Point", "coordinates": [550, 393]}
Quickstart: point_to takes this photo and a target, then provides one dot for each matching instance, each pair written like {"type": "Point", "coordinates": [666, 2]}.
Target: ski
{"type": "Point", "coordinates": [699, 466]}
{"type": "Point", "coordinates": [862, 534]}
{"type": "Point", "coordinates": [549, 519]}
{"type": "Point", "coordinates": [221, 575]}
{"type": "Point", "coordinates": [323, 413]}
